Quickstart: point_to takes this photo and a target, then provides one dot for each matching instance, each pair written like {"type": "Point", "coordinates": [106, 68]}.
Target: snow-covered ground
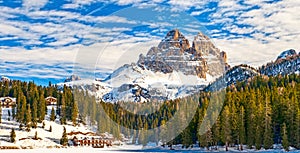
{"type": "Point", "coordinates": [48, 139]}
{"type": "Point", "coordinates": [171, 85]}
{"type": "Point", "coordinates": [133, 149]}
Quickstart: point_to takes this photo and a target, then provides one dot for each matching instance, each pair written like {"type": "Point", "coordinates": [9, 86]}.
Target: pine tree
{"type": "Point", "coordinates": [28, 119]}
{"type": "Point", "coordinates": [142, 137]}
{"type": "Point", "coordinates": [75, 113]}
{"type": "Point", "coordinates": [21, 115]}
{"type": "Point", "coordinates": [0, 114]}
{"type": "Point", "coordinates": [34, 114]}
{"type": "Point", "coordinates": [12, 136]}
{"type": "Point", "coordinates": [297, 130]}
{"type": "Point", "coordinates": [251, 115]}
{"type": "Point", "coordinates": [35, 136]}
{"type": "Point", "coordinates": [42, 107]}
{"type": "Point", "coordinates": [206, 139]}
{"type": "Point", "coordinates": [13, 111]}
{"type": "Point", "coordinates": [64, 138]}
{"type": "Point", "coordinates": [285, 141]}
{"type": "Point", "coordinates": [63, 111]}
{"type": "Point", "coordinates": [226, 129]}
{"type": "Point", "coordinates": [134, 135]}
{"type": "Point", "coordinates": [52, 116]}
{"type": "Point", "coordinates": [242, 132]}
{"type": "Point", "coordinates": [268, 135]}
{"type": "Point", "coordinates": [259, 128]}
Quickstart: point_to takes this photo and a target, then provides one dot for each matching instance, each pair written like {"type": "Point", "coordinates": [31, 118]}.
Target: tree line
{"type": "Point", "coordinates": [258, 113]}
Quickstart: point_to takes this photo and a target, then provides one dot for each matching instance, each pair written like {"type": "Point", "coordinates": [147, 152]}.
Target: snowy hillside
{"type": "Point", "coordinates": [24, 139]}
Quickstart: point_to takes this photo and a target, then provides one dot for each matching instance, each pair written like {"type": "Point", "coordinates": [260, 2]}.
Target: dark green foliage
{"type": "Point", "coordinates": [285, 141]}
{"type": "Point", "coordinates": [12, 136]}
{"type": "Point", "coordinates": [64, 138]}
{"type": "Point", "coordinates": [52, 116]}
{"type": "Point", "coordinates": [35, 136]}
{"type": "Point", "coordinates": [28, 119]}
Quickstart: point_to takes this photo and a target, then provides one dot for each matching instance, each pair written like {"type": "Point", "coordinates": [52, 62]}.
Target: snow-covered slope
{"type": "Point", "coordinates": [287, 63]}
{"type": "Point", "coordinates": [134, 83]}
{"type": "Point", "coordinates": [47, 139]}
{"type": "Point", "coordinates": [236, 74]}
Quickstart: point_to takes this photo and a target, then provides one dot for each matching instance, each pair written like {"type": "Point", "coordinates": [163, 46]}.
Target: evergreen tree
{"type": "Point", "coordinates": [142, 137]}
{"type": "Point", "coordinates": [13, 110]}
{"type": "Point", "coordinates": [206, 139]}
{"type": "Point", "coordinates": [28, 119]}
{"type": "Point", "coordinates": [12, 136]}
{"type": "Point", "coordinates": [242, 132]}
{"type": "Point", "coordinates": [64, 138]}
{"type": "Point", "coordinates": [35, 136]}
{"type": "Point", "coordinates": [297, 130]}
{"type": "Point", "coordinates": [21, 115]}
{"type": "Point", "coordinates": [285, 141]}
{"type": "Point", "coordinates": [75, 113]}
{"type": "Point", "coordinates": [226, 129]}
{"type": "Point", "coordinates": [52, 116]}
{"type": "Point", "coordinates": [134, 135]}
{"type": "Point", "coordinates": [268, 135]}
{"type": "Point", "coordinates": [42, 107]}
{"type": "Point", "coordinates": [34, 114]}
{"type": "Point", "coordinates": [250, 121]}
{"type": "Point", "coordinates": [63, 111]}
{"type": "Point", "coordinates": [0, 114]}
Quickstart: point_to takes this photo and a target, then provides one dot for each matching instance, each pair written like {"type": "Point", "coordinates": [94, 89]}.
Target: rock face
{"type": "Point", "coordinates": [72, 78]}
{"type": "Point", "coordinates": [175, 54]}
{"type": "Point", "coordinates": [175, 39]}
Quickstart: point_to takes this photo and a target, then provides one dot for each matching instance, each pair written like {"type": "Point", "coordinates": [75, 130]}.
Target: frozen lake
{"type": "Point", "coordinates": [121, 150]}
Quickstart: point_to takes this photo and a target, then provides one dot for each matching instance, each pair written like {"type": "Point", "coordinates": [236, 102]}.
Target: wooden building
{"type": "Point", "coordinates": [8, 101]}
{"type": "Point", "coordinates": [51, 100]}
{"type": "Point", "coordinates": [88, 139]}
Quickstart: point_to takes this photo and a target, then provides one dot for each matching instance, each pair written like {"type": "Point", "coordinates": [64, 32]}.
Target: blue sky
{"type": "Point", "coordinates": [50, 39]}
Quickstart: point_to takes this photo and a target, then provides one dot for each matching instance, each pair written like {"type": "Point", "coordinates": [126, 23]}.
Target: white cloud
{"type": "Point", "coordinates": [34, 4]}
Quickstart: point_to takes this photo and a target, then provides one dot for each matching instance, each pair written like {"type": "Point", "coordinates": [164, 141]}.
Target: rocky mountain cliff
{"type": "Point", "coordinates": [174, 53]}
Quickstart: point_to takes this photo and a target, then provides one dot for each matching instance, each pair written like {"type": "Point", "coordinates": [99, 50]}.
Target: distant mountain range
{"type": "Point", "coordinates": [176, 69]}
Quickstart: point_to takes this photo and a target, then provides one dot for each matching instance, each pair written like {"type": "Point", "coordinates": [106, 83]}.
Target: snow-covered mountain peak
{"type": "Point", "coordinates": [287, 54]}
{"type": "Point", "coordinates": [171, 70]}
